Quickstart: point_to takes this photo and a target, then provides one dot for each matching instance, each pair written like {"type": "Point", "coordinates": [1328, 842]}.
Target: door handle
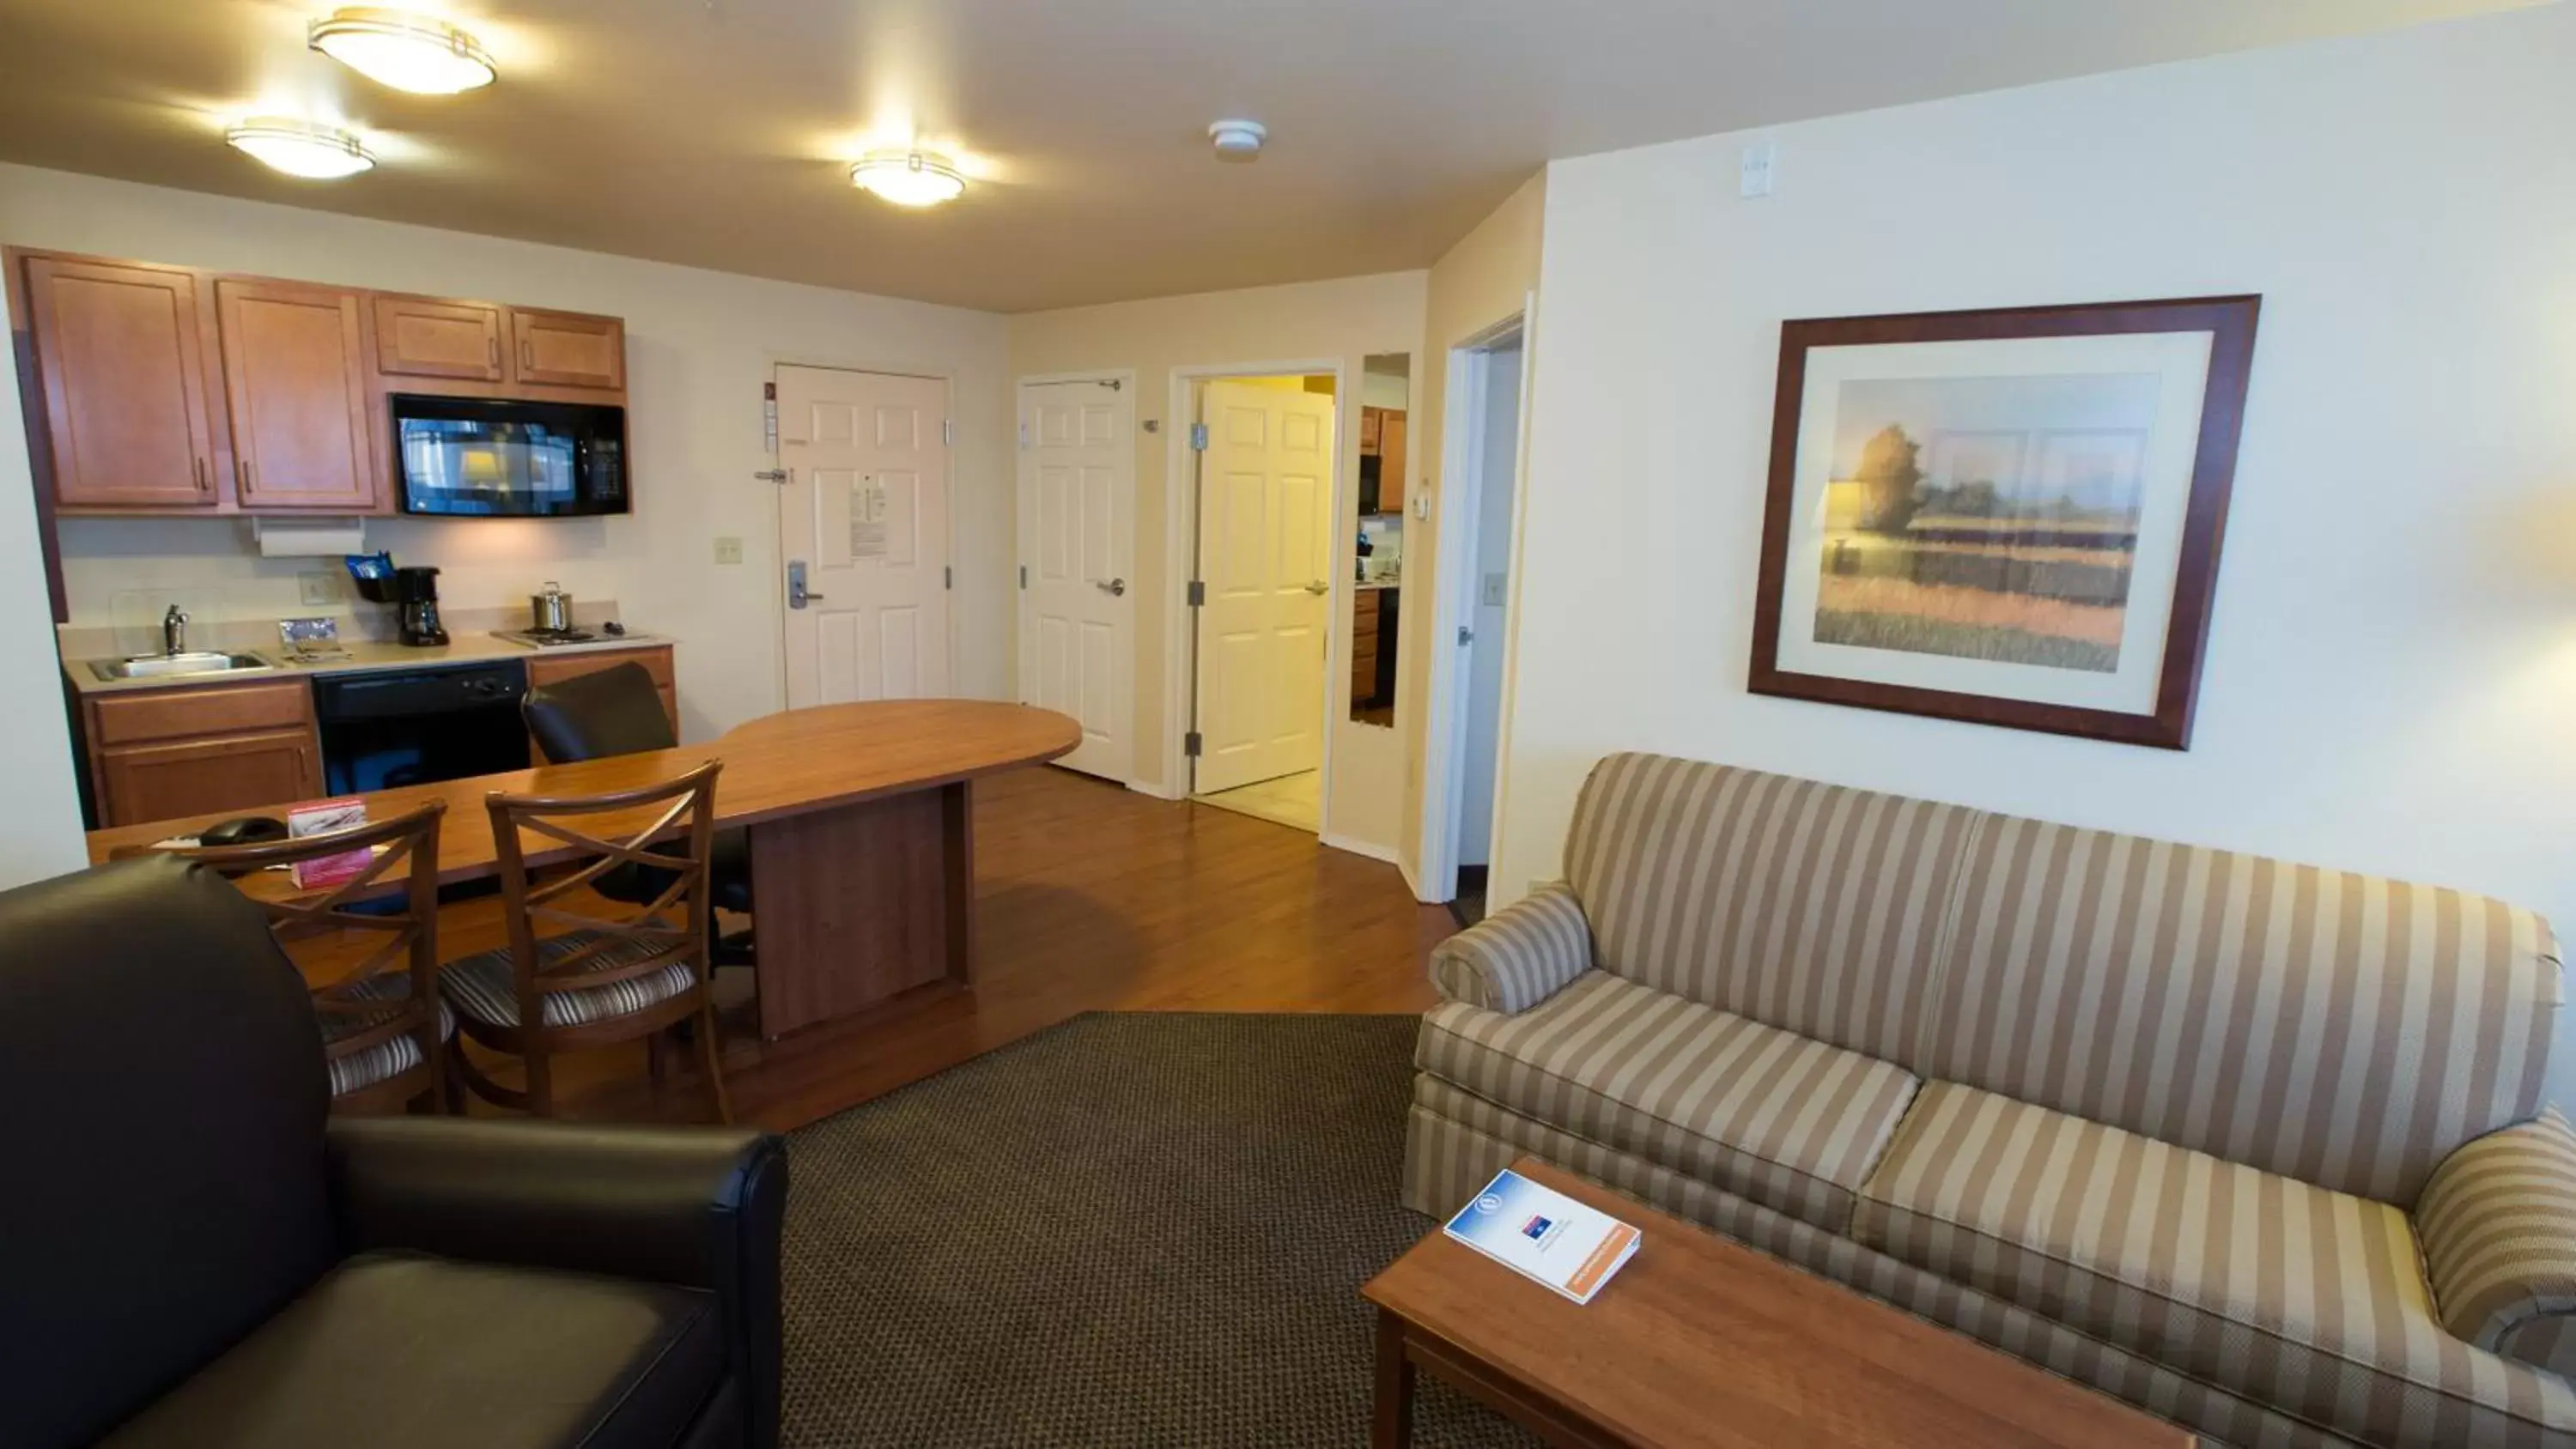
{"type": "Point", "coordinates": [1319, 587]}
{"type": "Point", "coordinates": [1115, 588]}
{"type": "Point", "coordinates": [776, 475]}
{"type": "Point", "coordinates": [798, 596]}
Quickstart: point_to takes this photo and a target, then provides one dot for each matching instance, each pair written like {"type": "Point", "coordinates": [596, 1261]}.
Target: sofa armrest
{"type": "Point", "coordinates": [694, 1206]}
{"type": "Point", "coordinates": [2498, 1226]}
{"type": "Point", "coordinates": [1519, 956]}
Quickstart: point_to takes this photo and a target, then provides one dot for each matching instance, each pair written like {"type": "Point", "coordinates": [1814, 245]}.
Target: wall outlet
{"type": "Point", "coordinates": [728, 550]}
{"type": "Point", "coordinates": [317, 587]}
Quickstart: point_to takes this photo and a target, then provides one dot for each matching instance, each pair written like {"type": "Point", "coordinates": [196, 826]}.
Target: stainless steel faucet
{"type": "Point", "coordinates": [174, 631]}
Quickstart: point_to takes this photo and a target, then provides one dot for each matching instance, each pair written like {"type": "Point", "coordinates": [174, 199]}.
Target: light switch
{"type": "Point", "coordinates": [1759, 159]}
{"type": "Point", "coordinates": [1494, 591]}
{"type": "Point", "coordinates": [728, 550]}
{"type": "Point", "coordinates": [317, 587]}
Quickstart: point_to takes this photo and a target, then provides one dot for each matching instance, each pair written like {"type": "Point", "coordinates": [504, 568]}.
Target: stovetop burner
{"type": "Point", "coordinates": [544, 638]}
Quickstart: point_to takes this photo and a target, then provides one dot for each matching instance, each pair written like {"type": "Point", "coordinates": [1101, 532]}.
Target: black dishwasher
{"type": "Point", "coordinates": [413, 726]}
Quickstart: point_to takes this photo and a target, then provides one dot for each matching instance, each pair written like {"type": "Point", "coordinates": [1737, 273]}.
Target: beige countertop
{"type": "Point", "coordinates": [1377, 585]}
{"type": "Point", "coordinates": [365, 656]}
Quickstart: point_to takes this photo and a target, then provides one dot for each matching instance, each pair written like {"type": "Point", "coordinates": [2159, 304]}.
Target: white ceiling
{"type": "Point", "coordinates": [704, 131]}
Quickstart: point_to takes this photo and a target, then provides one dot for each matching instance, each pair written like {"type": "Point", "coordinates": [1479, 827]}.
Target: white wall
{"type": "Point", "coordinates": [1307, 322]}
{"type": "Point", "coordinates": [40, 825]}
{"type": "Point", "coordinates": [2392, 678]}
{"type": "Point", "coordinates": [699, 346]}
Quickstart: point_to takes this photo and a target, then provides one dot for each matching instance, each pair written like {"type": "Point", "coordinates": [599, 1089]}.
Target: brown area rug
{"type": "Point", "coordinates": [1134, 1229]}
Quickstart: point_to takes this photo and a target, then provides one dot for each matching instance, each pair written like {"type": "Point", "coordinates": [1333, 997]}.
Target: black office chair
{"type": "Point", "coordinates": [618, 711]}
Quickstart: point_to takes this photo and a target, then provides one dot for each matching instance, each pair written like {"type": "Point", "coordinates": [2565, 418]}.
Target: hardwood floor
{"type": "Point", "coordinates": [1088, 897]}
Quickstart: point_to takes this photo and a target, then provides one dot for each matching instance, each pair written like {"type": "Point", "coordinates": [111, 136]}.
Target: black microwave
{"type": "Point", "coordinates": [471, 457]}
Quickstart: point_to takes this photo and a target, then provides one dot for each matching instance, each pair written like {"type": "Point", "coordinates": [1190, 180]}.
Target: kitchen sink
{"type": "Point", "coordinates": [157, 666]}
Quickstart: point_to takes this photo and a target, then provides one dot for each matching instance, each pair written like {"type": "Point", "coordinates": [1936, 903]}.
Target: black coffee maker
{"type": "Point", "coordinates": [416, 606]}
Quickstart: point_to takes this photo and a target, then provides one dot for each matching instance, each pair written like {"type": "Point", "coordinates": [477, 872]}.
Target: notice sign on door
{"type": "Point", "coordinates": [868, 521]}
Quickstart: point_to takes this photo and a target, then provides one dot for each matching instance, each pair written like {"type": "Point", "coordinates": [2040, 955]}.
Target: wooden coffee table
{"type": "Point", "coordinates": [1700, 1341]}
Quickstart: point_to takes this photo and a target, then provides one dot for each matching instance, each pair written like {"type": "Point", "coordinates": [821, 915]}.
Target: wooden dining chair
{"type": "Point", "coordinates": [384, 1028]}
{"type": "Point", "coordinates": [579, 971]}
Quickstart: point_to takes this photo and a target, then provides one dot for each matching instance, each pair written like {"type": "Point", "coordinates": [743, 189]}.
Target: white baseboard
{"type": "Point", "coordinates": [1144, 787]}
{"type": "Point", "coordinates": [1370, 849]}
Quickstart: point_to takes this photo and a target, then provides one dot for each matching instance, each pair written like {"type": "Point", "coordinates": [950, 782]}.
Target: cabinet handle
{"type": "Point", "coordinates": [197, 466]}
{"type": "Point", "coordinates": [527, 357]}
{"type": "Point", "coordinates": [493, 345]}
{"type": "Point", "coordinates": [245, 474]}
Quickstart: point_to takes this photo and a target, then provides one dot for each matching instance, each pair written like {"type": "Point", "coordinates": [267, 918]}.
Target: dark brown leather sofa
{"type": "Point", "coordinates": [199, 1255]}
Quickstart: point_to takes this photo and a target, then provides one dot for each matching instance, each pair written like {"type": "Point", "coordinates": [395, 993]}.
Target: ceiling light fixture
{"type": "Point", "coordinates": [1238, 140]}
{"type": "Point", "coordinates": [300, 148]}
{"type": "Point", "coordinates": [406, 51]}
{"type": "Point", "coordinates": [909, 178]}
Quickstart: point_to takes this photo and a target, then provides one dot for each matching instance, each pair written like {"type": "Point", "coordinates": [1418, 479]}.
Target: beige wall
{"type": "Point", "coordinates": [1484, 279]}
{"type": "Point", "coordinates": [1305, 323]}
{"type": "Point", "coordinates": [699, 346]}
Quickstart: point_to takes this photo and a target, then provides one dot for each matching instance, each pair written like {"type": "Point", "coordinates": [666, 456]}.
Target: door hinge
{"type": "Point", "coordinates": [1198, 437]}
{"type": "Point", "coordinates": [1466, 635]}
{"type": "Point", "coordinates": [1198, 593]}
{"type": "Point", "coordinates": [1024, 435]}
{"type": "Point", "coordinates": [948, 577]}
{"type": "Point", "coordinates": [1190, 744]}
{"type": "Point", "coordinates": [1024, 576]}
{"type": "Point", "coordinates": [948, 432]}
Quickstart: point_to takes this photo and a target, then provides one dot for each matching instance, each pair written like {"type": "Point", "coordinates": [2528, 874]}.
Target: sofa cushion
{"type": "Point", "coordinates": [1788, 1122]}
{"type": "Point", "coordinates": [2340, 1029]}
{"type": "Point", "coordinates": [400, 1351]}
{"type": "Point", "coordinates": [2309, 1300]}
{"type": "Point", "coordinates": [1808, 907]}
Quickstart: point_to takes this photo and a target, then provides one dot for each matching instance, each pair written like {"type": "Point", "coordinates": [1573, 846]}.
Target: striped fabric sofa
{"type": "Point", "coordinates": [2257, 1146]}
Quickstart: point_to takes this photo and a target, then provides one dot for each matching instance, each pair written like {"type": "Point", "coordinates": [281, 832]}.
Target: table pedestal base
{"type": "Point", "coordinates": [856, 905]}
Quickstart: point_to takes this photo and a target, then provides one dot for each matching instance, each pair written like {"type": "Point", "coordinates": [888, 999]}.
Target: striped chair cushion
{"type": "Point", "coordinates": [2345, 1031]}
{"type": "Point", "coordinates": [1788, 1122]}
{"type": "Point", "coordinates": [387, 1059]}
{"type": "Point", "coordinates": [484, 988]}
{"type": "Point", "coordinates": [1517, 957]}
{"type": "Point", "coordinates": [2498, 1223]}
{"type": "Point", "coordinates": [2289, 1294]}
{"type": "Point", "coordinates": [1811, 907]}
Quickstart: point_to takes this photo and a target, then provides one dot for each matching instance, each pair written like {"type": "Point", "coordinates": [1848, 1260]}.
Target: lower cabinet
{"type": "Point", "coordinates": [158, 754]}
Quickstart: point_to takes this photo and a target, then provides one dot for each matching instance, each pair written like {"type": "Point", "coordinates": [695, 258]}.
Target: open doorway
{"type": "Point", "coordinates": [1478, 548]}
{"type": "Point", "coordinates": [1268, 455]}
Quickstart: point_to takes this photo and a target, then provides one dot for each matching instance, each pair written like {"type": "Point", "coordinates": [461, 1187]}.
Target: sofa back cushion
{"type": "Point", "coordinates": [2330, 1027]}
{"type": "Point", "coordinates": [1806, 906]}
{"type": "Point", "coordinates": [162, 1097]}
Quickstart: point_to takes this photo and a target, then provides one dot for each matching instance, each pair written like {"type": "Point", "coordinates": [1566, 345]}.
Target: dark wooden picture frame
{"type": "Point", "coordinates": [2230, 322]}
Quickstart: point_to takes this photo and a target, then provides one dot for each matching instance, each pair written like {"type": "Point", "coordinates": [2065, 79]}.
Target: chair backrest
{"type": "Point", "coordinates": [390, 941]}
{"type": "Point", "coordinates": [1806, 906]}
{"type": "Point", "coordinates": [161, 1100]}
{"type": "Point", "coordinates": [557, 898]}
{"type": "Point", "coordinates": [2336, 1028]}
{"type": "Point", "coordinates": [612, 711]}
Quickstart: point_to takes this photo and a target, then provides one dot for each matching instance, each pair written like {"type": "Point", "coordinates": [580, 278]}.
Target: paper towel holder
{"type": "Point", "coordinates": [308, 537]}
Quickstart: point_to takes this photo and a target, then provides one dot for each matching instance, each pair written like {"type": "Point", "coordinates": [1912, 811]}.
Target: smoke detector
{"type": "Point", "coordinates": [1238, 140]}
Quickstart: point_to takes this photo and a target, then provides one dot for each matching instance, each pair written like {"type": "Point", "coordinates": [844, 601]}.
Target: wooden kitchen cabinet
{"type": "Point", "coordinates": [200, 750]}
{"type": "Point", "coordinates": [568, 349]}
{"type": "Point", "coordinates": [1364, 645]}
{"type": "Point", "coordinates": [547, 669]}
{"type": "Point", "coordinates": [432, 337]}
{"type": "Point", "coordinates": [1372, 422]}
{"type": "Point", "coordinates": [1391, 463]}
{"type": "Point", "coordinates": [120, 352]}
{"type": "Point", "coordinates": [295, 379]}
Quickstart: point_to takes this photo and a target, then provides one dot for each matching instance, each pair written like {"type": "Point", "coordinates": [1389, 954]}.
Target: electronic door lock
{"type": "Point", "coordinates": [798, 596]}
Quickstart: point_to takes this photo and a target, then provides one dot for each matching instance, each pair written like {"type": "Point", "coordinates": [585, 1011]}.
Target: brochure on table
{"type": "Point", "coordinates": [1543, 1234]}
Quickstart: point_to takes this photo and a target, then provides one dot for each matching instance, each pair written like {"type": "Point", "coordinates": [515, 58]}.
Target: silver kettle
{"type": "Point", "coordinates": [551, 611]}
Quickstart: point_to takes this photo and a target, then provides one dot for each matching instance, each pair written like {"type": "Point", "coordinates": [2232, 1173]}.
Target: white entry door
{"type": "Point", "coordinates": [1078, 604]}
{"type": "Point", "coordinates": [863, 524]}
{"type": "Point", "coordinates": [1265, 543]}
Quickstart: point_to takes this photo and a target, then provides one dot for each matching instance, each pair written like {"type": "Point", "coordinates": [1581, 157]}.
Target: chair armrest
{"type": "Point", "coordinates": [2497, 1221]}
{"type": "Point", "coordinates": [1519, 956]}
{"type": "Point", "coordinates": [695, 1206]}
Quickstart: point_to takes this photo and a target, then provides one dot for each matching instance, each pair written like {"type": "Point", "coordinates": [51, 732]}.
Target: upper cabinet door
{"type": "Point", "coordinates": [568, 349]}
{"type": "Point", "coordinates": [295, 372]}
{"type": "Point", "coordinates": [124, 372]}
{"type": "Point", "coordinates": [1391, 462]}
{"type": "Point", "coordinates": [425, 337]}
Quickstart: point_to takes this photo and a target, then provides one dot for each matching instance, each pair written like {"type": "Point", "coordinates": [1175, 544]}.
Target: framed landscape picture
{"type": "Point", "coordinates": [2010, 516]}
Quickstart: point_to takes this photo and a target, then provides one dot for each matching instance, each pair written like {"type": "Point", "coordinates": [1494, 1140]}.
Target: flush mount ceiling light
{"type": "Point", "coordinates": [1238, 140]}
{"type": "Point", "coordinates": [909, 178]}
{"type": "Point", "coordinates": [408, 52]}
{"type": "Point", "coordinates": [300, 148]}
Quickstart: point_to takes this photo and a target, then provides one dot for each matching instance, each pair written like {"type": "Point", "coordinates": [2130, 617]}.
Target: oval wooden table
{"type": "Point", "coordinates": [861, 826]}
